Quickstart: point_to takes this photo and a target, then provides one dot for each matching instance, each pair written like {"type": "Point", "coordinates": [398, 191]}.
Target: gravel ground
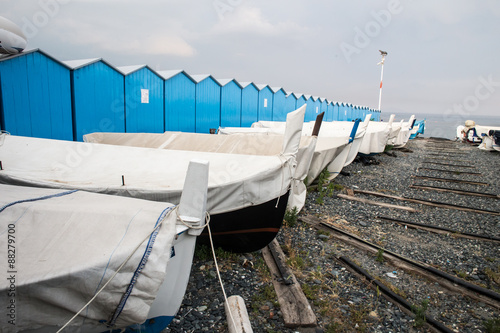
{"type": "Point", "coordinates": [340, 300]}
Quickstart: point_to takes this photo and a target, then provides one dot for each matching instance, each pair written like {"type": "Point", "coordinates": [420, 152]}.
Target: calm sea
{"type": "Point", "coordinates": [445, 126]}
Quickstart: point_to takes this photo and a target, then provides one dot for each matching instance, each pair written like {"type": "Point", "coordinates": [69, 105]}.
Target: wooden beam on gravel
{"type": "Point", "coordinates": [462, 192]}
{"type": "Point", "coordinates": [430, 203]}
{"type": "Point", "coordinates": [376, 203]}
{"type": "Point", "coordinates": [450, 180]}
{"type": "Point", "coordinates": [297, 311]}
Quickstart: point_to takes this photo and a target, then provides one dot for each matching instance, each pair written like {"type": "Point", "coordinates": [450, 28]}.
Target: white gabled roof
{"type": "Point", "coordinates": [130, 69]}
{"type": "Point", "coordinates": [261, 86]}
{"type": "Point", "coordinates": [200, 77]}
{"type": "Point", "coordinates": [75, 64]}
{"type": "Point", "coordinates": [246, 84]}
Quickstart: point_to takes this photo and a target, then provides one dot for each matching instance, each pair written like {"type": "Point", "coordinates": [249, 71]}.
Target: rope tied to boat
{"type": "Point", "coordinates": [207, 220]}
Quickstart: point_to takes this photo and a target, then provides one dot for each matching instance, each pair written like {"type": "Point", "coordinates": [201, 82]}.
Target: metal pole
{"type": "Point", "coordinates": [381, 78]}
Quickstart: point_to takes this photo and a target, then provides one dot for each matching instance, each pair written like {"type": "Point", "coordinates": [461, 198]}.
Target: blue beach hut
{"type": "Point", "coordinates": [249, 103]}
{"type": "Point", "coordinates": [291, 102]}
{"type": "Point", "coordinates": [313, 107]}
{"type": "Point", "coordinates": [144, 96]}
{"type": "Point", "coordinates": [207, 103]}
{"type": "Point", "coordinates": [230, 103]}
{"type": "Point", "coordinates": [265, 111]}
{"type": "Point", "coordinates": [35, 96]}
{"type": "Point", "coordinates": [330, 111]}
{"type": "Point", "coordinates": [279, 104]}
{"type": "Point", "coordinates": [323, 106]}
{"type": "Point", "coordinates": [179, 101]}
{"type": "Point", "coordinates": [301, 100]}
{"type": "Point", "coordinates": [98, 97]}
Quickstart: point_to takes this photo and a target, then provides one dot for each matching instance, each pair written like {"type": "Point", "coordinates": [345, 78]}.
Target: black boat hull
{"type": "Point", "coordinates": [248, 229]}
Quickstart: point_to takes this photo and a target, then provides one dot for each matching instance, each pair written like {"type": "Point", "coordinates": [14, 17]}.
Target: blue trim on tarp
{"type": "Point", "coordinates": [142, 264]}
{"type": "Point", "coordinates": [153, 325]}
{"type": "Point", "coordinates": [37, 199]}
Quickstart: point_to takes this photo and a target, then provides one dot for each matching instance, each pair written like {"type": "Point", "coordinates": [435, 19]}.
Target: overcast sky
{"type": "Point", "coordinates": [444, 56]}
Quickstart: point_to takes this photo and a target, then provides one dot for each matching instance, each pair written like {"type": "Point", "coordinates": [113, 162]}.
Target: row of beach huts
{"type": "Point", "coordinates": [48, 98]}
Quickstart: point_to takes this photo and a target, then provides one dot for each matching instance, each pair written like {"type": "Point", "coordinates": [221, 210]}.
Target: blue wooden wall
{"type": "Point", "coordinates": [35, 96]}
{"type": "Point", "coordinates": [249, 104]}
{"type": "Point", "coordinates": [43, 97]}
{"type": "Point", "coordinates": [98, 99]}
{"type": "Point", "coordinates": [143, 114]}
{"type": "Point", "coordinates": [279, 104]}
{"type": "Point", "coordinates": [265, 102]}
{"type": "Point", "coordinates": [207, 103]}
{"type": "Point", "coordinates": [230, 103]}
{"type": "Point", "coordinates": [180, 101]}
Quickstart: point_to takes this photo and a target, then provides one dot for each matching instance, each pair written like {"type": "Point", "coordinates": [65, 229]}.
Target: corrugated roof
{"type": "Point", "coordinates": [261, 86]}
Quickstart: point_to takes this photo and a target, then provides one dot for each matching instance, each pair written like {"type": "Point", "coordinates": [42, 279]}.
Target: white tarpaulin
{"type": "Point", "coordinates": [376, 137]}
{"type": "Point", "coordinates": [255, 144]}
{"type": "Point", "coordinates": [235, 181]}
{"type": "Point", "coordinates": [404, 133]}
{"type": "Point", "coordinates": [66, 245]}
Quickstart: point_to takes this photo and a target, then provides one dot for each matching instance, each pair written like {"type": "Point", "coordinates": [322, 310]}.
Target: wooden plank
{"type": "Point", "coordinates": [450, 180]}
{"type": "Point", "coordinates": [377, 203]}
{"type": "Point", "coordinates": [297, 311]}
{"type": "Point", "coordinates": [462, 192]}
{"type": "Point", "coordinates": [430, 203]}
{"type": "Point", "coordinates": [457, 172]}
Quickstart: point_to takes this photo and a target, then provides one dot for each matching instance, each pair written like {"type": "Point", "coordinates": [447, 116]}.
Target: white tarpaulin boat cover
{"type": "Point", "coordinates": [256, 144]}
{"type": "Point", "coordinates": [404, 133]}
{"type": "Point", "coordinates": [376, 137]}
{"type": "Point", "coordinates": [333, 148]}
{"type": "Point", "coordinates": [67, 244]}
{"type": "Point", "coordinates": [235, 181]}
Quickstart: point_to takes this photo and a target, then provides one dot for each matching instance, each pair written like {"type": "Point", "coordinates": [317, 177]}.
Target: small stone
{"type": "Point", "coordinates": [373, 315]}
{"type": "Point", "coordinates": [202, 308]}
{"type": "Point", "coordinates": [323, 237]}
{"type": "Point", "coordinates": [363, 224]}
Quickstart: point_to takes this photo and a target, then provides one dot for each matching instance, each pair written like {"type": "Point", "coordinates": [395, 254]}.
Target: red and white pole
{"type": "Point", "coordinates": [381, 78]}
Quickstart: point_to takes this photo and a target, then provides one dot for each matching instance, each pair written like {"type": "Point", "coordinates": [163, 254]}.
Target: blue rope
{"type": "Point", "coordinates": [37, 199]}
{"type": "Point", "coordinates": [142, 264]}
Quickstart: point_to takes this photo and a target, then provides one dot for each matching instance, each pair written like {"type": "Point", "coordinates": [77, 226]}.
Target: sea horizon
{"type": "Point", "coordinates": [444, 125]}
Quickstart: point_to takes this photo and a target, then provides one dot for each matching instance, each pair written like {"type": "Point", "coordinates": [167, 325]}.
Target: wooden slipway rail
{"type": "Point", "coordinates": [450, 282]}
{"type": "Point", "coordinates": [431, 203]}
{"type": "Point", "coordinates": [297, 311]}
{"type": "Point", "coordinates": [457, 172]}
{"type": "Point", "coordinates": [441, 230]}
{"type": "Point", "coordinates": [456, 191]}
{"type": "Point", "coordinates": [390, 295]}
{"type": "Point", "coordinates": [450, 180]}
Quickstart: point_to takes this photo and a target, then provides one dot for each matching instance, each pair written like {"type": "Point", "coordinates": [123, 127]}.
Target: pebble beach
{"type": "Point", "coordinates": [342, 301]}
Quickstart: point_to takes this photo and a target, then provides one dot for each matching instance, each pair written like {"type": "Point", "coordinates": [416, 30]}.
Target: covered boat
{"type": "Point", "coordinates": [247, 194]}
{"type": "Point", "coordinates": [404, 133]}
{"type": "Point", "coordinates": [334, 147]}
{"type": "Point", "coordinates": [91, 262]}
{"type": "Point", "coordinates": [240, 144]}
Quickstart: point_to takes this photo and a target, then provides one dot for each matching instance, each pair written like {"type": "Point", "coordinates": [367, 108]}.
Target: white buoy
{"type": "Point", "coordinates": [237, 315]}
{"type": "Point", "coordinates": [12, 39]}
